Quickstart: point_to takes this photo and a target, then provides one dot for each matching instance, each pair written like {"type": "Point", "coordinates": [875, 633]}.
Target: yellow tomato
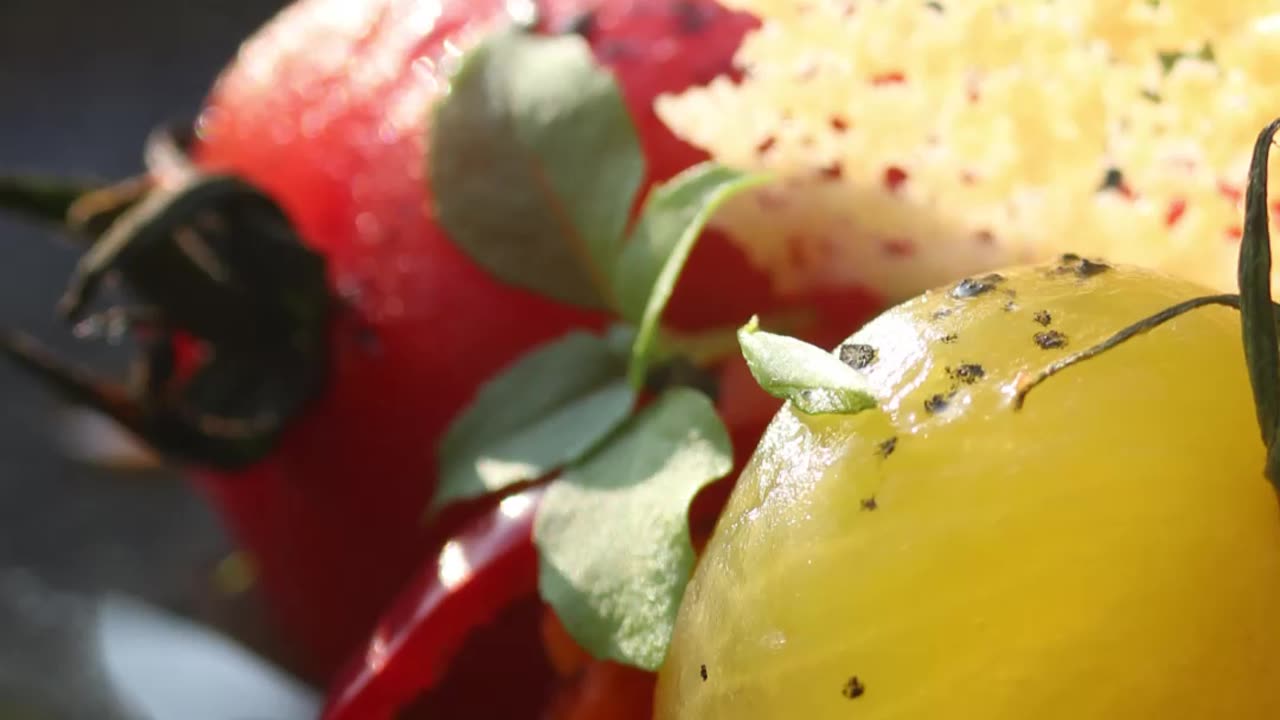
{"type": "Point", "coordinates": [1110, 551]}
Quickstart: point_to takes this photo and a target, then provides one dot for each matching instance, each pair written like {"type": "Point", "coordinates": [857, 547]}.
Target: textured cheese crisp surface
{"type": "Point", "coordinates": [913, 142]}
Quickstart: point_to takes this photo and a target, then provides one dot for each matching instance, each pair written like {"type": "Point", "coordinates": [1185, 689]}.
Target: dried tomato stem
{"type": "Point", "coordinates": [42, 199]}
{"type": "Point", "coordinates": [207, 257]}
{"type": "Point", "coordinates": [73, 384]}
{"type": "Point", "coordinates": [89, 207]}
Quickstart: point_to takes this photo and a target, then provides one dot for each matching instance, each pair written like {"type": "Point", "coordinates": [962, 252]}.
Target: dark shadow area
{"type": "Point", "coordinates": [81, 85]}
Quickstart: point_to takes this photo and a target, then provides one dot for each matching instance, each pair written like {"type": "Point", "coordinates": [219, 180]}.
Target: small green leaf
{"type": "Point", "coordinates": [549, 408]}
{"type": "Point", "coordinates": [815, 381]}
{"type": "Point", "coordinates": [673, 217]}
{"type": "Point", "coordinates": [613, 534]}
{"type": "Point", "coordinates": [535, 164]}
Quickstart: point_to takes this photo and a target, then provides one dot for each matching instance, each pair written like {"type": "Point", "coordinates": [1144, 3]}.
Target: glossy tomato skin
{"type": "Point", "coordinates": [948, 555]}
{"type": "Point", "coordinates": [326, 109]}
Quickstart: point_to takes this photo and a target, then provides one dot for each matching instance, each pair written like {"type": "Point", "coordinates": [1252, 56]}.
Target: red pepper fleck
{"type": "Point", "coordinates": [1233, 194]}
{"type": "Point", "coordinates": [894, 177]}
{"type": "Point", "coordinates": [889, 78]}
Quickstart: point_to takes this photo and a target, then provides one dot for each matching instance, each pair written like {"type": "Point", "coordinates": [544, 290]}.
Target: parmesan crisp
{"type": "Point", "coordinates": [914, 142]}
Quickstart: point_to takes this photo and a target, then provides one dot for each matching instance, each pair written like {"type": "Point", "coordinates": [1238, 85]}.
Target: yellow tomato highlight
{"type": "Point", "coordinates": [1111, 551]}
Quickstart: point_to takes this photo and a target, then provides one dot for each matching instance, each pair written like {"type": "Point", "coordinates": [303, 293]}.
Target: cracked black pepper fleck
{"type": "Point", "coordinates": [853, 689]}
{"type": "Point", "coordinates": [857, 355]}
{"type": "Point", "coordinates": [1088, 268]}
{"type": "Point", "coordinates": [936, 403]}
{"type": "Point", "coordinates": [967, 373]}
{"type": "Point", "coordinates": [973, 287]}
{"type": "Point", "coordinates": [1051, 339]}
{"type": "Point", "coordinates": [1112, 180]}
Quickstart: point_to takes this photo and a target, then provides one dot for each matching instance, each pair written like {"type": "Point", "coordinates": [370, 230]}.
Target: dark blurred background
{"type": "Point", "coordinates": [81, 84]}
